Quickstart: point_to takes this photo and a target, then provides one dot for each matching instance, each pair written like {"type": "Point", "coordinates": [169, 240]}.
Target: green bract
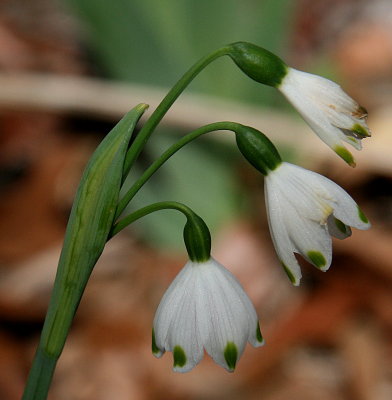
{"type": "Point", "coordinates": [90, 220]}
{"type": "Point", "coordinates": [258, 63]}
{"type": "Point", "coordinates": [257, 149]}
{"type": "Point", "coordinates": [87, 231]}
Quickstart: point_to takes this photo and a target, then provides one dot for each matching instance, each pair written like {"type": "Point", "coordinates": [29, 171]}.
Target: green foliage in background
{"type": "Point", "coordinates": [154, 42]}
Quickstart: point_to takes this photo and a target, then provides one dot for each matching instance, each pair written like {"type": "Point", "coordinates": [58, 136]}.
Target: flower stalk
{"type": "Point", "coordinates": [166, 103]}
{"type": "Point", "coordinates": [252, 143]}
{"type": "Point", "coordinates": [150, 171]}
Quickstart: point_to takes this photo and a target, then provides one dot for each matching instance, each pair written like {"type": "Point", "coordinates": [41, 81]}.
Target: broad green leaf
{"type": "Point", "coordinates": [154, 42]}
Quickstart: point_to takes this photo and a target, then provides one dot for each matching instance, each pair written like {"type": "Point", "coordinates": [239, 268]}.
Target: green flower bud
{"type": "Point", "coordinates": [197, 239]}
{"type": "Point", "coordinates": [258, 63]}
{"type": "Point", "coordinates": [257, 149]}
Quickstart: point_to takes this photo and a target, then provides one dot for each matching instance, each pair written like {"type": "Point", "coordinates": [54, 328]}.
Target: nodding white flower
{"type": "Point", "coordinates": [331, 113]}
{"type": "Point", "coordinates": [205, 307]}
{"type": "Point", "coordinates": [304, 209]}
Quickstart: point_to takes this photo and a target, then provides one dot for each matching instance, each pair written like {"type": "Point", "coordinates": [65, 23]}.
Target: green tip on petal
{"type": "Point", "coordinates": [289, 274]}
{"type": "Point", "coordinates": [155, 349]}
{"type": "Point", "coordinates": [360, 131]}
{"type": "Point", "coordinates": [345, 154]}
{"type": "Point", "coordinates": [179, 357]}
{"type": "Point", "coordinates": [317, 258]}
{"type": "Point", "coordinates": [259, 336]}
{"type": "Point", "coordinates": [231, 354]}
{"type": "Point", "coordinates": [362, 216]}
{"type": "Point", "coordinates": [341, 226]}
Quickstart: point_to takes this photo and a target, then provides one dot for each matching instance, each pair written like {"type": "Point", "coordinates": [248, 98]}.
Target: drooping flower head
{"type": "Point", "coordinates": [333, 115]}
{"type": "Point", "coordinates": [304, 210]}
{"type": "Point", "coordinates": [329, 111]}
{"type": "Point", "coordinates": [205, 307]}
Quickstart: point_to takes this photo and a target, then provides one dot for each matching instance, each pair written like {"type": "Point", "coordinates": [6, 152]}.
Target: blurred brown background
{"type": "Point", "coordinates": [68, 71]}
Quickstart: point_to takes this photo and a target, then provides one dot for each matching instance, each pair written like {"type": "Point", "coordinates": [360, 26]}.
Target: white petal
{"type": "Point", "coordinates": [168, 306]}
{"type": "Point", "coordinates": [184, 337]}
{"type": "Point", "coordinates": [305, 213]}
{"type": "Point", "coordinates": [302, 188]}
{"type": "Point", "coordinates": [345, 208]}
{"type": "Point", "coordinates": [222, 319]}
{"type": "Point", "coordinates": [329, 111]}
{"type": "Point", "coordinates": [175, 322]}
{"type": "Point", "coordinates": [311, 239]}
{"type": "Point", "coordinates": [280, 238]}
{"type": "Point", "coordinates": [303, 210]}
{"type": "Point", "coordinates": [205, 306]}
{"type": "Point", "coordinates": [304, 91]}
{"type": "Point", "coordinates": [254, 337]}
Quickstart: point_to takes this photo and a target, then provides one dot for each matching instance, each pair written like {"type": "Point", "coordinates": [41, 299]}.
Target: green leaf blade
{"type": "Point", "coordinates": [88, 227]}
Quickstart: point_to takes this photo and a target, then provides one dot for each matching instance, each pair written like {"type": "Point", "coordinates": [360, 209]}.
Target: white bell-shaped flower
{"type": "Point", "coordinates": [330, 112]}
{"type": "Point", "coordinates": [205, 307]}
{"type": "Point", "coordinates": [304, 209]}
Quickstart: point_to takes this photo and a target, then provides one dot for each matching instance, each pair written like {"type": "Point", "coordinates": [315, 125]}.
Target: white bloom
{"type": "Point", "coordinates": [304, 209]}
{"type": "Point", "coordinates": [330, 112]}
{"type": "Point", "coordinates": [205, 307]}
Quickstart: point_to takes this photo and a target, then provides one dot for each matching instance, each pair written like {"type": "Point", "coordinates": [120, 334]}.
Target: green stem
{"type": "Point", "coordinates": [163, 205]}
{"type": "Point", "coordinates": [217, 126]}
{"type": "Point", "coordinates": [197, 236]}
{"type": "Point", "coordinates": [166, 103]}
{"type": "Point", "coordinates": [40, 376]}
{"type": "Point", "coordinates": [61, 311]}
